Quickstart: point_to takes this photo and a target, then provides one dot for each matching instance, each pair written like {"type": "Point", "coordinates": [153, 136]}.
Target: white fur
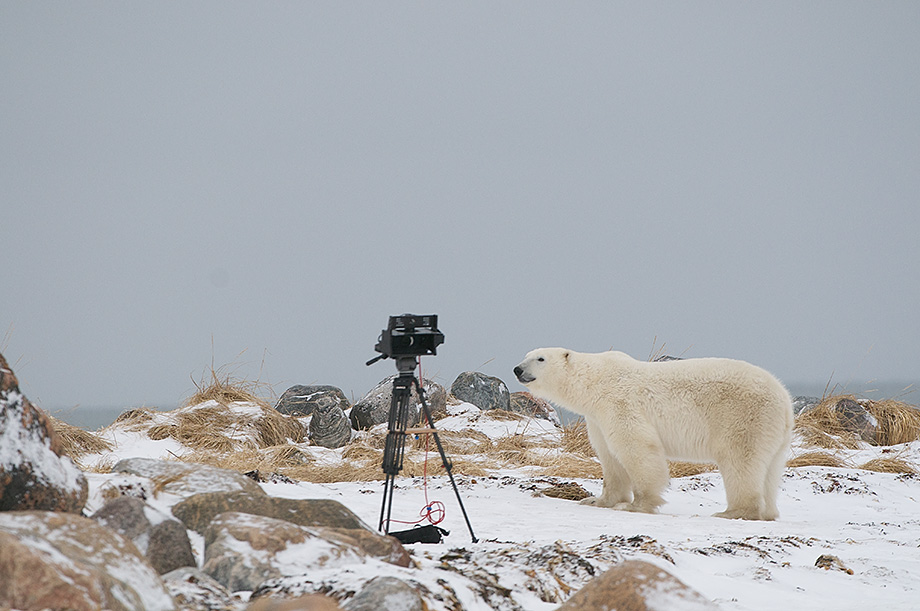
{"type": "Point", "coordinates": [640, 414]}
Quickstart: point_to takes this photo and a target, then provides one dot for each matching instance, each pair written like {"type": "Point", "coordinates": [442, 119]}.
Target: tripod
{"type": "Point", "coordinates": [396, 438]}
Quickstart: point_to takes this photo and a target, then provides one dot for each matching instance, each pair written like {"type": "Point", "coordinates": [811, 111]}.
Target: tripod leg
{"type": "Point", "coordinates": [394, 448]}
{"type": "Point", "coordinates": [448, 465]}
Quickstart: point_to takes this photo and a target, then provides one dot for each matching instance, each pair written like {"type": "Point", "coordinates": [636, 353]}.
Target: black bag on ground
{"type": "Point", "coordinates": [421, 534]}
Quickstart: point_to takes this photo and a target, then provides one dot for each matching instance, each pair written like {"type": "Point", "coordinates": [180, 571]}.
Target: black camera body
{"type": "Point", "coordinates": [409, 335]}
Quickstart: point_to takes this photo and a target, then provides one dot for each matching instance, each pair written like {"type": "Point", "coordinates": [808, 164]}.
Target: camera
{"type": "Point", "coordinates": [409, 335]}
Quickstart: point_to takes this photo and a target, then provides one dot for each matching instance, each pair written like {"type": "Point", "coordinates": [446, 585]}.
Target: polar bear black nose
{"type": "Point", "coordinates": [518, 371]}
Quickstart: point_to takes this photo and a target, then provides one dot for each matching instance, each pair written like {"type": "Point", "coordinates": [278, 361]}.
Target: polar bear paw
{"type": "Point", "coordinates": [598, 501]}
{"type": "Point", "coordinates": [636, 508]}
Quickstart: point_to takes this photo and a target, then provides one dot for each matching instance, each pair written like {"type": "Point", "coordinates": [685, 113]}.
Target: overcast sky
{"type": "Point", "coordinates": [260, 185]}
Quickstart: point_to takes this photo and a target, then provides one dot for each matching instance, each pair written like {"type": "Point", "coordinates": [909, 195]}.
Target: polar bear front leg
{"type": "Point", "coordinates": [617, 486]}
{"type": "Point", "coordinates": [647, 466]}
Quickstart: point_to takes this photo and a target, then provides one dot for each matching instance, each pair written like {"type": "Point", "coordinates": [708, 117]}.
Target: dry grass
{"type": "Point", "coordinates": [225, 389]}
{"type": "Point", "coordinates": [816, 459]}
{"type": "Point", "coordinates": [897, 422]}
{"type": "Point", "coordinates": [686, 469]}
{"type": "Point", "coordinates": [501, 414]}
{"type": "Point", "coordinates": [574, 466]}
{"type": "Point", "coordinates": [575, 439]}
{"type": "Point", "coordinates": [889, 465]}
{"type": "Point", "coordinates": [822, 427]}
{"type": "Point", "coordinates": [135, 417]}
{"type": "Point", "coordinates": [77, 442]}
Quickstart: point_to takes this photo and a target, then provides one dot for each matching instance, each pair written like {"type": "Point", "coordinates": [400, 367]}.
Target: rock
{"type": "Point", "coordinates": [35, 473]}
{"type": "Point", "coordinates": [374, 407]}
{"type": "Point", "coordinates": [485, 392]}
{"type": "Point", "coordinates": [65, 561]}
{"type": "Point", "coordinates": [329, 426]}
{"type": "Point", "coordinates": [310, 602]}
{"type": "Point", "coordinates": [197, 511]}
{"type": "Point", "coordinates": [187, 479]}
{"type": "Point", "coordinates": [856, 419]}
{"type": "Point", "coordinates": [161, 539]}
{"type": "Point", "coordinates": [803, 404]}
{"type": "Point", "coordinates": [301, 401]}
{"type": "Point", "coordinates": [636, 585]}
{"type": "Point", "coordinates": [243, 550]}
{"type": "Point", "coordinates": [828, 562]}
{"type": "Point", "coordinates": [169, 547]}
{"type": "Point", "coordinates": [195, 590]}
{"type": "Point", "coordinates": [526, 403]}
{"type": "Point", "coordinates": [387, 593]}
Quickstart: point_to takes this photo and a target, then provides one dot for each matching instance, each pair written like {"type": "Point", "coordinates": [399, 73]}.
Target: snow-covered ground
{"type": "Point", "coordinates": [538, 547]}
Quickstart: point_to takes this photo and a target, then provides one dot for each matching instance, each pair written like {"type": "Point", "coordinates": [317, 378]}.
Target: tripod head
{"type": "Point", "coordinates": [408, 337]}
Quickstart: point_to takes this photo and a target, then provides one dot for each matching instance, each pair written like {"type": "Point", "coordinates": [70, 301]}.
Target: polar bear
{"type": "Point", "coordinates": [640, 414]}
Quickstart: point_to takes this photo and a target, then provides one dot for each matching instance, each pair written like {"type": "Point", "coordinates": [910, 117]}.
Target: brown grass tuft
{"type": "Point", "coordinates": [135, 416]}
{"type": "Point", "coordinates": [223, 388]}
{"type": "Point", "coordinates": [77, 442]}
{"type": "Point", "coordinates": [575, 439]}
{"type": "Point", "coordinates": [821, 427]}
{"type": "Point", "coordinates": [816, 459]}
{"type": "Point", "coordinates": [889, 465]}
{"type": "Point", "coordinates": [897, 422]}
{"type": "Point", "coordinates": [501, 414]}
{"type": "Point", "coordinates": [573, 466]}
{"type": "Point", "coordinates": [686, 469]}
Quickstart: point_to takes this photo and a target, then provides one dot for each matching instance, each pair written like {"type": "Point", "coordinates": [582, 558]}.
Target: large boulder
{"type": "Point", "coordinates": [329, 426]}
{"type": "Point", "coordinates": [163, 540]}
{"type": "Point", "coordinates": [302, 401]}
{"type": "Point", "coordinates": [636, 585]}
{"type": "Point", "coordinates": [243, 550]}
{"type": "Point", "coordinates": [197, 511]}
{"type": "Point", "coordinates": [374, 407]}
{"type": "Point", "coordinates": [485, 392]}
{"type": "Point", "coordinates": [51, 560]}
{"type": "Point", "coordinates": [34, 471]}
{"type": "Point", "coordinates": [187, 479]}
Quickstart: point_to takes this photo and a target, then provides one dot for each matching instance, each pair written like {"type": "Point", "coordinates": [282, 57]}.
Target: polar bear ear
{"type": "Point", "coordinates": [566, 356]}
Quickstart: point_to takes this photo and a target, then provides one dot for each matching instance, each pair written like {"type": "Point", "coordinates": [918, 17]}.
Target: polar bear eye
{"type": "Point", "coordinates": [540, 359]}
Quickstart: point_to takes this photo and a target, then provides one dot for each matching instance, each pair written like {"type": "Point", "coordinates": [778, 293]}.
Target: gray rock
{"type": "Point", "coordinates": [169, 548]}
{"type": "Point", "coordinates": [803, 404]}
{"type": "Point", "coordinates": [374, 407]}
{"type": "Point", "coordinates": [329, 426]}
{"type": "Point", "coordinates": [485, 392]}
{"type": "Point", "coordinates": [195, 590]}
{"type": "Point", "coordinates": [526, 403]}
{"type": "Point", "coordinates": [856, 419]}
{"type": "Point", "coordinates": [163, 540]}
{"type": "Point", "coordinates": [303, 400]}
{"type": "Point", "coordinates": [387, 593]}
{"type": "Point", "coordinates": [187, 479]}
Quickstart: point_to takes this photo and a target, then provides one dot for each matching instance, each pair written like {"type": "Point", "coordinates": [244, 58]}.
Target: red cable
{"type": "Point", "coordinates": [433, 511]}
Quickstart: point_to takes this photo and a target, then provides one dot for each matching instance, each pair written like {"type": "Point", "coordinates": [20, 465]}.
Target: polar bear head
{"type": "Point", "coordinates": [543, 371]}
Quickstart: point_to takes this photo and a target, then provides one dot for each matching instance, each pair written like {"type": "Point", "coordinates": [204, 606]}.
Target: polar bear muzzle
{"type": "Point", "coordinates": [522, 376]}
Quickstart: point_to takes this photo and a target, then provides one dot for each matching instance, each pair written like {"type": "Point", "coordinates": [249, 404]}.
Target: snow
{"type": "Point", "coordinates": [866, 519]}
